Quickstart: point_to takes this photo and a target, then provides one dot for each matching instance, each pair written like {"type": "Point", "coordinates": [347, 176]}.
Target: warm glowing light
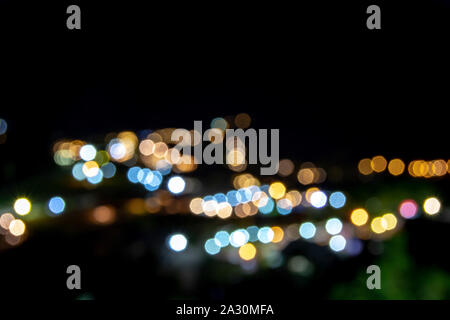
{"type": "Point", "coordinates": [285, 167]}
{"type": "Point", "coordinates": [439, 167]}
{"type": "Point", "coordinates": [278, 234]}
{"type": "Point", "coordinates": [378, 164]}
{"type": "Point", "coordinates": [91, 169]}
{"type": "Point", "coordinates": [365, 167]}
{"type": "Point", "coordinates": [378, 225]}
{"type": "Point", "coordinates": [216, 135]}
{"type": "Point", "coordinates": [160, 149]}
{"type": "Point", "coordinates": [260, 199]}
{"type": "Point", "coordinates": [247, 251]}
{"type": "Point", "coordinates": [418, 168]}
{"type": "Point", "coordinates": [295, 197]}
{"type": "Point", "coordinates": [396, 167]}
{"type": "Point", "coordinates": [236, 157]}
{"type": "Point", "coordinates": [359, 217]}
{"type": "Point", "coordinates": [432, 206]}
{"type": "Point", "coordinates": [5, 220]}
{"type": "Point", "coordinates": [22, 206]}
{"type": "Point", "coordinates": [390, 221]}
{"type": "Point", "coordinates": [17, 227]}
{"type": "Point", "coordinates": [309, 192]}
{"type": "Point", "coordinates": [104, 215]}
{"type": "Point", "coordinates": [147, 147]}
{"type": "Point", "coordinates": [224, 210]}
{"type": "Point", "coordinates": [209, 207]}
{"type": "Point", "coordinates": [242, 120]}
{"type": "Point", "coordinates": [277, 190]}
{"type": "Point", "coordinates": [196, 206]}
{"type": "Point", "coordinates": [305, 176]}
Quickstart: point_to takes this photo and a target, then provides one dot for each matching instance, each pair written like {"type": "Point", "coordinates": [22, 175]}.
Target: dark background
{"type": "Point", "coordinates": [312, 70]}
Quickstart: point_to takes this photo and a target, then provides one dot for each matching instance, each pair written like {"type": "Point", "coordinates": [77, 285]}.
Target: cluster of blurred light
{"type": "Point", "coordinates": [246, 200]}
{"type": "Point", "coordinates": [295, 197]}
{"type": "Point", "coordinates": [56, 205]}
{"type": "Point", "coordinates": [239, 237]}
{"type": "Point", "coordinates": [92, 172]}
{"type": "Point", "coordinates": [150, 179]}
{"type": "Point", "coordinates": [12, 228]}
{"type": "Point", "coordinates": [309, 174]}
{"type": "Point", "coordinates": [65, 152]}
{"type": "Point", "coordinates": [284, 206]}
{"type": "Point", "coordinates": [242, 238]}
{"type": "Point", "coordinates": [245, 180]}
{"type": "Point", "coordinates": [265, 234]}
{"type": "Point", "coordinates": [156, 154]}
{"type": "Point", "coordinates": [384, 223]}
{"type": "Point", "coordinates": [178, 242]}
{"type": "Point", "coordinates": [95, 165]}
{"type": "Point", "coordinates": [88, 152]}
{"type": "Point", "coordinates": [22, 206]}
{"type": "Point", "coordinates": [90, 169]}
{"type": "Point", "coordinates": [428, 169]}
{"type": "Point", "coordinates": [396, 167]}
{"type": "Point", "coordinates": [235, 154]}
{"type": "Point", "coordinates": [376, 164]}
{"type": "Point", "coordinates": [309, 192]}
{"type": "Point", "coordinates": [122, 148]}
